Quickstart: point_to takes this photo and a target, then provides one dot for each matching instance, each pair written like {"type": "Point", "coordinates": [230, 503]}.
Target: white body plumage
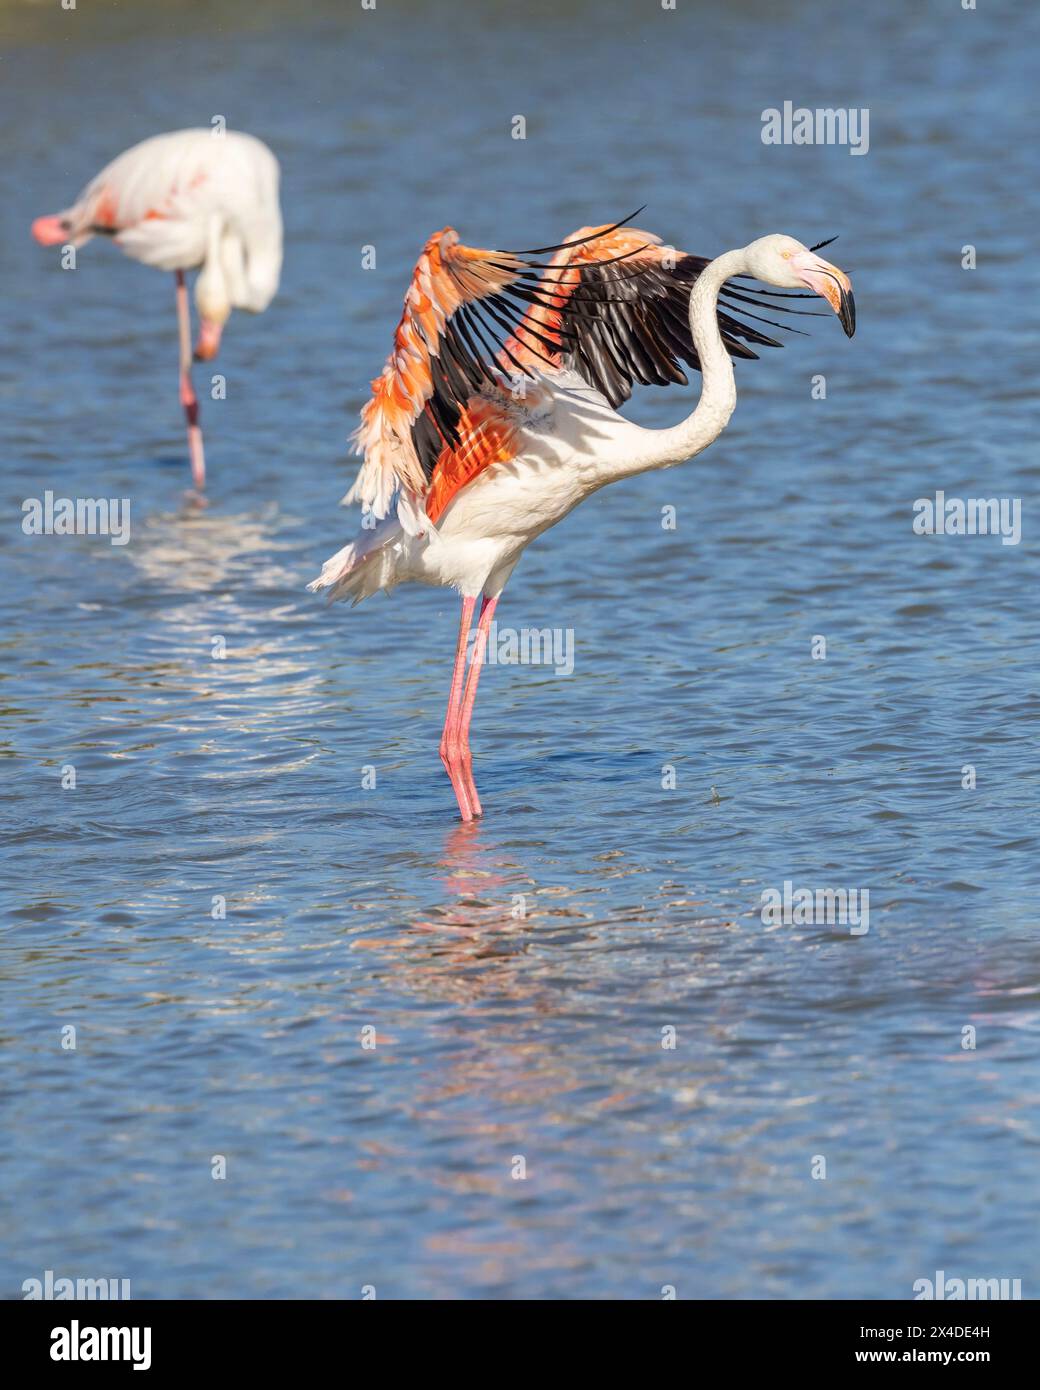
{"type": "Point", "coordinates": [187, 199]}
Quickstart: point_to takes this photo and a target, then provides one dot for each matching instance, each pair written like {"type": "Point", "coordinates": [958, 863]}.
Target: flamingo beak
{"type": "Point", "coordinates": [831, 284]}
{"type": "Point", "coordinates": [209, 340]}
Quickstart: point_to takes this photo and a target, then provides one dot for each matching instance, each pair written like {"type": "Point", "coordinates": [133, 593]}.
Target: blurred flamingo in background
{"type": "Point", "coordinates": [191, 198]}
{"type": "Point", "coordinates": [496, 411]}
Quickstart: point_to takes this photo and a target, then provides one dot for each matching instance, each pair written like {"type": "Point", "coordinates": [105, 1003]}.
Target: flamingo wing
{"type": "Point", "coordinates": [153, 181]}
{"type": "Point", "coordinates": [619, 311]}
{"type": "Point", "coordinates": [443, 396]}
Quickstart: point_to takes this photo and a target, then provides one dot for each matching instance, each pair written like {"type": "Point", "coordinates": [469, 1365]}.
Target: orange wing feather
{"type": "Point", "coordinates": [488, 435]}
{"type": "Point", "coordinates": [447, 276]}
{"type": "Point", "coordinates": [560, 283]}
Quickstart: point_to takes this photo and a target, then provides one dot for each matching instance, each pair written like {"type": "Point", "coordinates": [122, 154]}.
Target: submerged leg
{"type": "Point", "coordinates": [189, 400]}
{"type": "Point", "coordinates": [450, 750]}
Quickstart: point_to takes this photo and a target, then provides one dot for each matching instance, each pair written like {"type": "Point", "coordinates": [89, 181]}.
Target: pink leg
{"type": "Point", "coordinates": [450, 752]}
{"type": "Point", "coordinates": [189, 400]}
{"type": "Point", "coordinates": [487, 611]}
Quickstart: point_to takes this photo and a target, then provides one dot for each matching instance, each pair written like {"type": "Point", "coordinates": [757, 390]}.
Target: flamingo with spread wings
{"type": "Point", "coordinates": [496, 411]}
{"type": "Point", "coordinates": [187, 199]}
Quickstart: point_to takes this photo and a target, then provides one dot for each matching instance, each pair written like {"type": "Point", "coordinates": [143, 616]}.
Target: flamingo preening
{"type": "Point", "coordinates": [191, 198]}
{"type": "Point", "coordinates": [496, 412]}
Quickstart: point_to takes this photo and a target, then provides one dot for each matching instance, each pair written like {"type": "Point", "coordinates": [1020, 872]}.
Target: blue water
{"type": "Point", "coordinates": [500, 1035]}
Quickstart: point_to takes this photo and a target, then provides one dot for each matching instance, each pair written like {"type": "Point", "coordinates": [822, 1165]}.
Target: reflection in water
{"type": "Point", "coordinates": [198, 549]}
{"type": "Point", "coordinates": [486, 912]}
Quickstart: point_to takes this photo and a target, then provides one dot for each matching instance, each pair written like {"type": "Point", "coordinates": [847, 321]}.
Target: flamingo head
{"type": "Point", "coordinates": [786, 263]}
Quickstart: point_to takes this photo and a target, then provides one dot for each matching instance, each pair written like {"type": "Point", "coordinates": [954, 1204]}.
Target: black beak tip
{"type": "Point", "coordinates": [847, 313]}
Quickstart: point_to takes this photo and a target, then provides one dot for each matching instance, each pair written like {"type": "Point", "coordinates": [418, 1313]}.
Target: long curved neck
{"type": "Point", "coordinates": [662, 448]}
{"type": "Point", "coordinates": [211, 290]}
